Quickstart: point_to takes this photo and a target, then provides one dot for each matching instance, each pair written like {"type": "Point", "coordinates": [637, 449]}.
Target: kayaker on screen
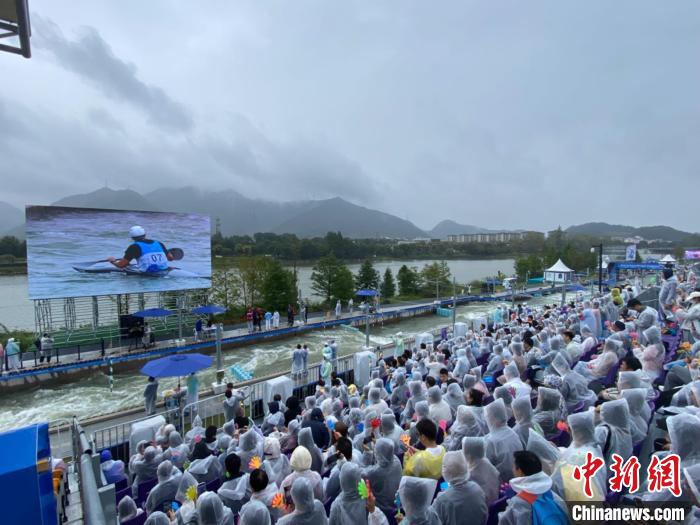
{"type": "Point", "coordinates": [151, 256]}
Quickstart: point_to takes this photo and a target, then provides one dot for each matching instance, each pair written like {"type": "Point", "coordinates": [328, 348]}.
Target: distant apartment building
{"type": "Point", "coordinates": [492, 237]}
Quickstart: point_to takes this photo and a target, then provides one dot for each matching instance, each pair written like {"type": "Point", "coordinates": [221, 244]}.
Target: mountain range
{"type": "Point", "coordinates": [603, 229]}
{"type": "Point", "coordinates": [237, 214]}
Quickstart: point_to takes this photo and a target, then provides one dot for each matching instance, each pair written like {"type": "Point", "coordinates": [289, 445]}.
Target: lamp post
{"type": "Point", "coordinates": [599, 247]}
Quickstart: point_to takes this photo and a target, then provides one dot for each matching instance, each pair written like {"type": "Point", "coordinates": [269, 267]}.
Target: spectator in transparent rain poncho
{"type": "Point", "coordinates": [234, 492]}
{"type": "Point", "coordinates": [399, 393]}
{"type": "Point", "coordinates": [390, 430]}
{"type": "Point", "coordinates": [211, 510]}
{"type": "Point", "coordinates": [463, 503]}
{"type": "Point", "coordinates": [511, 377]}
{"type": "Point", "coordinates": [583, 441]}
{"type": "Point", "coordinates": [652, 355]}
{"type": "Point", "coordinates": [501, 441]}
{"type": "Point", "coordinates": [415, 495]}
{"type": "Point", "coordinates": [637, 402]}
{"type": "Point", "coordinates": [255, 513]}
{"type": "Point", "coordinates": [518, 351]}
{"type": "Point", "coordinates": [349, 508]}
{"type": "Point", "coordinates": [548, 411]}
{"type": "Point", "coordinates": [479, 385]}
{"type": "Point", "coordinates": [276, 464]}
{"type": "Point", "coordinates": [307, 510]}
{"type": "Point", "coordinates": [530, 480]}
{"type": "Point", "coordinates": [462, 364]}
{"type": "Point", "coordinates": [157, 518]}
{"type": "Point", "coordinates": [165, 489]}
{"type": "Point", "coordinates": [306, 440]}
{"type": "Point", "coordinates": [454, 397]}
{"type": "Point", "coordinates": [495, 361]}
{"type": "Point", "coordinates": [196, 430]}
{"type": "Point", "coordinates": [384, 475]}
{"type": "Point", "coordinates": [574, 387]}
{"type": "Point", "coordinates": [506, 394]}
{"type": "Point", "coordinates": [544, 450]}
{"type": "Point", "coordinates": [481, 471]}
{"type": "Point", "coordinates": [249, 445]}
{"type": "Point", "coordinates": [465, 425]}
{"type": "Point", "coordinates": [301, 468]}
{"type": "Point", "coordinates": [288, 442]}
{"type": "Point", "coordinates": [376, 403]}
{"type": "Point", "coordinates": [187, 480]}
{"type": "Point", "coordinates": [177, 451]}
{"type": "Point", "coordinates": [598, 367]}
{"type": "Point", "coordinates": [691, 489]}
{"type": "Point", "coordinates": [589, 340]}
{"type": "Point", "coordinates": [144, 468]}
{"type": "Point", "coordinates": [522, 412]}
{"type": "Point", "coordinates": [127, 510]}
{"type": "Point", "coordinates": [274, 418]}
{"type": "Point", "coordinates": [613, 432]}
{"type": "Point", "coordinates": [683, 432]}
{"type": "Point", "coordinates": [204, 466]}
{"type": "Point", "coordinates": [417, 395]}
{"type": "Point", "coordinates": [439, 409]}
{"type": "Point", "coordinates": [263, 493]}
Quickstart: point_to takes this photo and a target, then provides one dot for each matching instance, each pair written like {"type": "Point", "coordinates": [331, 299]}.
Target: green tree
{"type": "Point", "coordinates": [344, 286]}
{"type": "Point", "coordinates": [367, 277]}
{"type": "Point", "coordinates": [331, 279]}
{"type": "Point", "coordinates": [278, 287]}
{"type": "Point", "coordinates": [436, 277]}
{"type": "Point", "coordinates": [251, 272]}
{"type": "Point", "coordinates": [225, 288]}
{"type": "Point", "coordinates": [388, 285]}
{"type": "Point", "coordinates": [408, 280]}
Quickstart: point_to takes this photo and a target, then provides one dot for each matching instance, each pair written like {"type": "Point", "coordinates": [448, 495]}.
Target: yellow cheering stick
{"type": "Point", "coordinates": [405, 439]}
{"type": "Point", "coordinates": [191, 493]}
{"type": "Point", "coordinates": [254, 463]}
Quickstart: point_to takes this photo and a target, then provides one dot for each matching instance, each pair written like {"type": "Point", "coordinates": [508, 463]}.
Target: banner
{"type": "Point", "coordinates": [631, 253]}
{"type": "Point", "coordinates": [693, 255]}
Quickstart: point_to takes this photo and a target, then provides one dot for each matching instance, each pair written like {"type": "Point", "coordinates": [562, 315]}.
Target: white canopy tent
{"type": "Point", "coordinates": [558, 273]}
{"type": "Point", "coordinates": [668, 259]}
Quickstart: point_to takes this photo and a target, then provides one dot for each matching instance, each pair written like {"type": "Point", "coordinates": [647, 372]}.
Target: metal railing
{"type": "Point", "coordinates": [211, 409]}
{"type": "Point", "coordinates": [88, 483]}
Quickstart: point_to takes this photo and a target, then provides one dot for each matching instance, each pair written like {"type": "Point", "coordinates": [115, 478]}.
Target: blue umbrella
{"type": "Point", "coordinates": [176, 365]}
{"type": "Point", "coordinates": [367, 293]}
{"type": "Point", "coordinates": [153, 312]}
{"type": "Point", "coordinates": [209, 309]}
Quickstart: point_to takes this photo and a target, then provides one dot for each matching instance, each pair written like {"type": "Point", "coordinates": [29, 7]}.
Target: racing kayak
{"type": "Point", "coordinates": [125, 271]}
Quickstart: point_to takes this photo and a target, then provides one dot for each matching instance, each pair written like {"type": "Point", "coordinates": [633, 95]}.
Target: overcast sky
{"type": "Point", "coordinates": [504, 114]}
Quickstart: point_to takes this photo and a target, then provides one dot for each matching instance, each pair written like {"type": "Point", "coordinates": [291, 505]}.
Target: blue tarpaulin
{"type": "Point", "coordinates": [25, 476]}
{"type": "Point", "coordinates": [367, 293]}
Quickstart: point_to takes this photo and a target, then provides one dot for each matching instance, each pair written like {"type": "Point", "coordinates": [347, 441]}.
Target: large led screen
{"type": "Point", "coordinates": [77, 252]}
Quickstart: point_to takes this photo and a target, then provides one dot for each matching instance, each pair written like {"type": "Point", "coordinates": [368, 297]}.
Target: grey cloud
{"type": "Point", "coordinates": [90, 57]}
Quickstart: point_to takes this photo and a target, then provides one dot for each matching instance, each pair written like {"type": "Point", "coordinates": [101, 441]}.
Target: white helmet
{"type": "Point", "coordinates": [136, 231]}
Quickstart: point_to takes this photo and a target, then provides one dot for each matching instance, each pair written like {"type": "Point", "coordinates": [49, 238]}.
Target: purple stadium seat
{"type": "Point", "coordinates": [143, 490]}
{"type": "Point", "coordinates": [497, 506]}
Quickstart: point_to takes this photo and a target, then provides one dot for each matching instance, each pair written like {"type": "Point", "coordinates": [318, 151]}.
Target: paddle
{"type": "Point", "coordinates": [176, 253]}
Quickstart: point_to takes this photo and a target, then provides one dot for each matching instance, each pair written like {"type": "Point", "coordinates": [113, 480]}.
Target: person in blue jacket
{"type": "Point", "coordinates": [151, 256]}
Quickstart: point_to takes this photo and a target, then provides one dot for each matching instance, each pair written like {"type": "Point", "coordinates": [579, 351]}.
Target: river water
{"type": "Point", "coordinates": [17, 311]}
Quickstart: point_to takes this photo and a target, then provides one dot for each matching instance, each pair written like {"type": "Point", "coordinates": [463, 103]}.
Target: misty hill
{"type": "Point", "coordinates": [240, 215]}
{"type": "Point", "coordinates": [11, 218]}
{"type": "Point", "coordinates": [320, 217]}
{"type": "Point", "coordinates": [603, 229]}
{"type": "Point", "coordinates": [448, 227]}
{"type": "Point", "coordinates": [109, 199]}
